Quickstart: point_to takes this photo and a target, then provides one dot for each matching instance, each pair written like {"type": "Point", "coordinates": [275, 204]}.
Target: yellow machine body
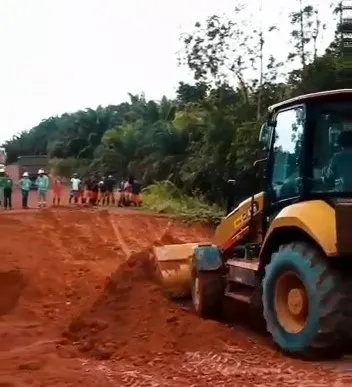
{"type": "Point", "coordinates": [316, 218]}
{"type": "Point", "coordinates": [175, 261]}
{"type": "Point", "coordinates": [235, 227]}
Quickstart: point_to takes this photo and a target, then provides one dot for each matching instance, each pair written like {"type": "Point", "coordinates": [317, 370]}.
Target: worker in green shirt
{"type": "Point", "coordinates": [25, 184]}
{"type": "Point", "coordinates": [42, 183]}
{"type": "Point", "coordinates": [2, 180]}
{"type": "Point", "coordinates": [7, 186]}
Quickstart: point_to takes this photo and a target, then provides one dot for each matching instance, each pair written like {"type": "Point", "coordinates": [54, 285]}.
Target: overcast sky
{"type": "Point", "coordinates": [63, 55]}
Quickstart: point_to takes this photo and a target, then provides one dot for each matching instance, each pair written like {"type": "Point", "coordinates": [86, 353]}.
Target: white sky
{"type": "Point", "coordinates": [63, 55]}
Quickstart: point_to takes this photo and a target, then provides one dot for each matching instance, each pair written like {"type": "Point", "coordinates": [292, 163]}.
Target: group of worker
{"type": "Point", "coordinates": [92, 191]}
{"type": "Point", "coordinates": [95, 191]}
{"type": "Point", "coordinates": [25, 183]}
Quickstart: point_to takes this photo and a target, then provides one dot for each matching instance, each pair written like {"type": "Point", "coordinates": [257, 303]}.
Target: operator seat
{"type": "Point", "coordinates": [340, 164]}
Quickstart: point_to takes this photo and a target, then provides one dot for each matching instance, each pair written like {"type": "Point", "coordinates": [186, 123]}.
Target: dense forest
{"type": "Point", "coordinates": [209, 132]}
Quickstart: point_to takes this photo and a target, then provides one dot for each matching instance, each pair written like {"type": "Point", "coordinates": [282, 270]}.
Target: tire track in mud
{"type": "Point", "coordinates": [117, 234]}
{"type": "Point", "coordinates": [81, 235]}
{"type": "Point", "coordinates": [52, 229]}
{"type": "Point", "coordinates": [85, 244]}
{"type": "Point", "coordinates": [135, 233]}
{"type": "Point", "coordinates": [200, 369]}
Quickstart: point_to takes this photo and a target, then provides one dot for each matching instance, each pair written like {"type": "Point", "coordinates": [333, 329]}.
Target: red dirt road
{"type": "Point", "coordinates": [78, 307]}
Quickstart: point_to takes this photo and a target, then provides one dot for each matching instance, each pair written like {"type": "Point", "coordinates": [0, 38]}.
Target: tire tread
{"type": "Point", "coordinates": [211, 294]}
{"type": "Point", "coordinates": [335, 298]}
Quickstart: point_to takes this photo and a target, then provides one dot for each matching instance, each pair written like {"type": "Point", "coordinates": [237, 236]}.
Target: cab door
{"type": "Point", "coordinates": [286, 161]}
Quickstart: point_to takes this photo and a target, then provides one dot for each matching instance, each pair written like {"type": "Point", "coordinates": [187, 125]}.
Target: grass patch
{"type": "Point", "coordinates": [164, 197]}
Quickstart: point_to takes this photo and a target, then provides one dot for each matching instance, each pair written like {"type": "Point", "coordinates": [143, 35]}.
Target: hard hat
{"type": "Point", "coordinates": [40, 171]}
{"type": "Point", "coordinates": [2, 170]}
{"type": "Point", "coordinates": [25, 174]}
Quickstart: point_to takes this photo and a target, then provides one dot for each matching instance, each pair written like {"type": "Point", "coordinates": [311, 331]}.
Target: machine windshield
{"type": "Point", "coordinates": [332, 148]}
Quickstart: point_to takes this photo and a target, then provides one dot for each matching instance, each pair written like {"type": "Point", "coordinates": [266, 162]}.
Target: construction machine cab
{"type": "Point", "coordinates": [308, 141]}
{"type": "Point", "coordinates": [309, 149]}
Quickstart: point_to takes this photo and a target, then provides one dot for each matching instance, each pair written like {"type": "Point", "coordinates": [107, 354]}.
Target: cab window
{"type": "Point", "coordinates": [332, 149]}
{"type": "Point", "coordinates": [285, 179]}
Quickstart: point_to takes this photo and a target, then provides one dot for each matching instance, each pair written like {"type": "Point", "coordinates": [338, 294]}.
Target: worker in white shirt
{"type": "Point", "coordinates": [75, 188]}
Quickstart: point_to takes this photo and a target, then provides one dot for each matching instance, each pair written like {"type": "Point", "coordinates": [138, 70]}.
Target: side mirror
{"type": "Point", "coordinates": [265, 135]}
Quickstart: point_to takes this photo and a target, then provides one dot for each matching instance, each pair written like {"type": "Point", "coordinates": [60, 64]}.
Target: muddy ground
{"type": "Point", "coordinates": [79, 307]}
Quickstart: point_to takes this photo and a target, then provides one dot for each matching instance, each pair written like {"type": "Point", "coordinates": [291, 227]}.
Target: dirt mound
{"type": "Point", "coordinates": [133, 317]}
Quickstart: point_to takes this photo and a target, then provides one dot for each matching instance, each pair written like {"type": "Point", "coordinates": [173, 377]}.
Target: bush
{"type": "Point", "coordinates": [165, 197]}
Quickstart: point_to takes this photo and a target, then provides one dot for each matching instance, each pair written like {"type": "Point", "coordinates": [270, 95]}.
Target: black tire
{"type": "Point", "coordinates": [207, 302]}
{"type": "Point", "coordinates": [328, 296]}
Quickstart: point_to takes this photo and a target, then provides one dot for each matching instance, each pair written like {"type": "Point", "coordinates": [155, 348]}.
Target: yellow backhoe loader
{"type": "Point", "coordinates": [287, 248]}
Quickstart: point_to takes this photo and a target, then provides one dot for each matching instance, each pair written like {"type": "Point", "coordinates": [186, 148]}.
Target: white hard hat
{"type": "Point", "coordinates": [40, 171]}
{"type": "Point", "coordinates": [25, 174]}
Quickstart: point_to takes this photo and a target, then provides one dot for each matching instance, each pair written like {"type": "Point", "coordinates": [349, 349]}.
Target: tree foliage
{"type": "Point", "coordinates": [209, 132]}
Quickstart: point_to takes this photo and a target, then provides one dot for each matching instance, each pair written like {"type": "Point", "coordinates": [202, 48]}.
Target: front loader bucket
{"type": "Point", "coordinates": [174, 267]}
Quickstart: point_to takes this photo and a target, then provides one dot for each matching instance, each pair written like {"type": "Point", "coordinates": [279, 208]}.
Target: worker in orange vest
{"type": "Point", "coordinates": [57, 191]}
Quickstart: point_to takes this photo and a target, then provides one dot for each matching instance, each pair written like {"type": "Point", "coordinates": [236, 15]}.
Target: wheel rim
{"type": "Point", "coordinates": [196, 293]}
{"type": "Point", "coordinates": [291, 302]}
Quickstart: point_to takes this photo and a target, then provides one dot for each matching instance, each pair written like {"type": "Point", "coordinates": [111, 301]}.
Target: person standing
{"type": "Point", "coordinates": [127, 191]}
{"type": "Point", "coordinates": [86, 191]}
{"type": "Point", "coordinates": [57, 191]}
{"type": "Point", "coordinates": [25, 185]}
{"type": "Point", "coordinates": [88, 187]}
{"type": "Point", "coordinates": [75, 188]}
{"type": "Point", "coordinates": [95, 191]}
{"type": "Point", "coordinates": [2, 180]}
{"type": "Point", "coordinates": [110, 185]}
{"type": "Point", "coordinates": [42, 183]}
{"type": "Point", "coordinates": [102, 191]}
{"type": "Point", "coordinates": [7, 186]}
